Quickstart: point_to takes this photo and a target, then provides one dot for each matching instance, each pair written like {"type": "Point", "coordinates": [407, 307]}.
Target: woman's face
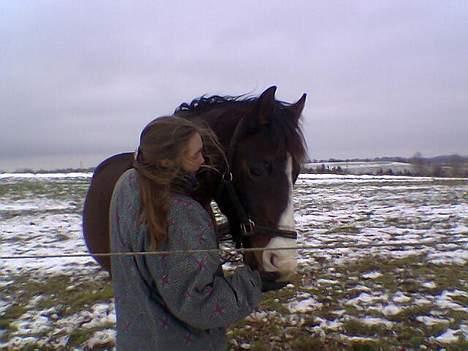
{"type": "Point", "coordinates": [193, 156]}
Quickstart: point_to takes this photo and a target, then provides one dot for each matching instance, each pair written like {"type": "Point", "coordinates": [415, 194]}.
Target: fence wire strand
{"type": "Point", "coordinates": [331, 245]}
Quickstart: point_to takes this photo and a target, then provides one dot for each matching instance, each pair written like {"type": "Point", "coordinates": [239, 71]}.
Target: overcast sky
{"type": "Point", "coordinates": [80, 79]}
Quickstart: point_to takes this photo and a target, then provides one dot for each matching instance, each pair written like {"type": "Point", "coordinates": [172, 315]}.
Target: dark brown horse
{"type": "Point", "coordinates": [264, 148]}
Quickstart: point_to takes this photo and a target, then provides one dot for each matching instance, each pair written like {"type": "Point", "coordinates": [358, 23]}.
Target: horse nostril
{"type": "Point", "coordinates": [273, 259]}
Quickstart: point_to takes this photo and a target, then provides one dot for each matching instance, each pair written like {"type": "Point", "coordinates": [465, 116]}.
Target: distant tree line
{"type": "Point", "coordinates": [322, 169]}
{"type": "Point", "coordinates": [59, 170]}
{"type": "Point", "coordinates": [440, 166]}
{"type": "Point", "coordinates": [325, 169]}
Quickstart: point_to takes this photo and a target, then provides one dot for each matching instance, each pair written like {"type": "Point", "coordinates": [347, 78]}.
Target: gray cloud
{"type": "Point", "coordinates": [385, 78]}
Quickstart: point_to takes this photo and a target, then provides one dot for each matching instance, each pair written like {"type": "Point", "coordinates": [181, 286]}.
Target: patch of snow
{"type": "Point", "coordinates": [34, 301]}
{"type": "Point", "coordinates": [100, 338]}
{"type": "Point", "coordinates": [43, 322]}
{"type": "Point", "coordinates": [459, 257]}
{"type": "Point", "coordinates": [365, 298]}
{"type": "Point", "coordinates": [400, 297]}
{"type": "Point", "coordinates": [101, 314]}
{"type": "Point", "coordinates": [326, 324]}
{"type": "Point", "coordinates": [303, 295]}
{"type": "Point", "coordinates": [427, 320]}
{"type": "Point", "coordinates": [391, 310]}
{"type": "Point", "coordinates": [362, 288]}
{"type": "Point", "coordinates": [4, 305]}
{"type": "Point", "coordinates": [326, 282]}
{"type": "Point", "coordinates": [256, 316]}
{"type": "Point", "coordinates": [371, 275]}
{"type": "Point", "coordinates": [423, 301]}
{"type": "Point", "coordinates": [458, 293]}
{"type": "Point", "coordinates": [357, 338]}
{"type": "Point", "coordinates": [304, 306]}
{"type": "Point", "coordinates": [444, 300]}
{"type": "Point", "coordinates": [429, 285]}
{"type": "Point", "coordinates": [464, 330]}
{"type": "Point", "coordinates": [32, 323]}
{"type": "Point", "coordinates": [448, 337]}
{"type": "Point", "coordinates": [376, 321]}
{"type": "Point", "coordinates": [18, 343]}
{"type": "Point", "coordinates": [340, 312]}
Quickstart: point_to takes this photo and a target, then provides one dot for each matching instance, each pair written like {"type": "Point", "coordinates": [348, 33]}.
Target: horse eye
{"type": "Point", "coordinates": [258, 169]}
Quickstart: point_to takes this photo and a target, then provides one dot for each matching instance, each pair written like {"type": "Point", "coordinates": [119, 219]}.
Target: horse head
{"type": "Point", "coordinates": [265, 154]}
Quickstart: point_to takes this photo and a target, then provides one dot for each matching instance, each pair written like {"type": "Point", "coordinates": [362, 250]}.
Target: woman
{"type": "Point", "coordinates": [173, 301]}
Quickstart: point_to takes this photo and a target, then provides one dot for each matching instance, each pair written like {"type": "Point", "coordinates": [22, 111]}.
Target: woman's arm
{"type": "Point", "coordinates": [190, 284]}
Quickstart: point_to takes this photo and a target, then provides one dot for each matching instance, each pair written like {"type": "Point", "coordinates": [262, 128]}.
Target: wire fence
{"type": "Point", "coordinates": [331, 245]}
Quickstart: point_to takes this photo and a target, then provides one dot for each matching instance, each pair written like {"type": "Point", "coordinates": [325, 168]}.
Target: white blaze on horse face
{"type": "Point", "coordinates": [283, 261]}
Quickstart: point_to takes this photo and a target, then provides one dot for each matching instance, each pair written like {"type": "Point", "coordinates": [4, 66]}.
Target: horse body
{"type": "Point", "coordinates": [264, 147]}
{"type": "Point", "coordinates": [97, 205]}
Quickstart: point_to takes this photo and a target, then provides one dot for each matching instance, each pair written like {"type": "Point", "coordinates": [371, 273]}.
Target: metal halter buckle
{"type": "Point", "coordinates": [248, 228]}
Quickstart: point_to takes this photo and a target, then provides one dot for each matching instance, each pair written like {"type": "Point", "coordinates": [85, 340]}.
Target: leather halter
{"type": "Point", "coordinates": [248, 227]}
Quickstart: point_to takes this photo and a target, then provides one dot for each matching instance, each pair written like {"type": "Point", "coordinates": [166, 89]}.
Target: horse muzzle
{"type": "Point", "coordinates": [280, 257]}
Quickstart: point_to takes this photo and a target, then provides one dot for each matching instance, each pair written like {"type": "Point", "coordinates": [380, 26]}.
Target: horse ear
{"type": "Point", "coordinates": [265, 105]}
{"type": "Point", "coordinates": [297, 107]}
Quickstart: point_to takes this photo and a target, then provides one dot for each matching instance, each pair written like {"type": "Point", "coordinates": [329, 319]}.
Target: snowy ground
{"type": "Point", "coordinates": [345, 296]}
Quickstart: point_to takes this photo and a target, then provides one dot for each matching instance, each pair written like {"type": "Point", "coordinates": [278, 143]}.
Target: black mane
{"type": "Point", "coordinates": [204, 103]}
{"type": "Point", "coordinates": [284, 129]}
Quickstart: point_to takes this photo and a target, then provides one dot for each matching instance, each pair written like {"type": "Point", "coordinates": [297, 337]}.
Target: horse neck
{"type": "Point", "coordinates": [223, 120]}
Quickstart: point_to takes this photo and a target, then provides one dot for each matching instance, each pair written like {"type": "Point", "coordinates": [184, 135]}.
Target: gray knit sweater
{"type": "Point", "coordinates": [173, 302]}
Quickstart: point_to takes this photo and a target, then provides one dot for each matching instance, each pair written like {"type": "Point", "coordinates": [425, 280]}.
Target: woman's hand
{"type": "Point", "coordinates": [269, 281]}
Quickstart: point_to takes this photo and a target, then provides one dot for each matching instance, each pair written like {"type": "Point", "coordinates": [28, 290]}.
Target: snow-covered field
{"type": "Point", "coordinates": [350, 291]}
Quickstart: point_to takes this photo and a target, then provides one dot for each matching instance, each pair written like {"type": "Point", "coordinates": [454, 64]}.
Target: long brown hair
{"type": "Point", "coordinates": [158, 163]}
